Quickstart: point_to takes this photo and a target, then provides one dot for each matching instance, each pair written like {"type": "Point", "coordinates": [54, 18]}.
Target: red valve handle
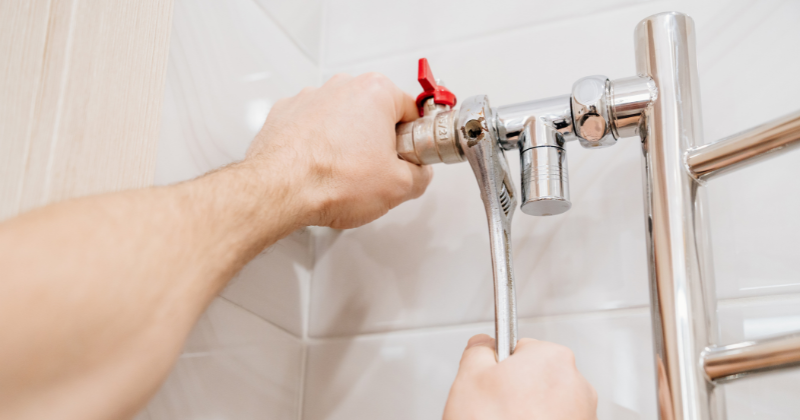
{"type": "Point", "coordinates": [440, 94]}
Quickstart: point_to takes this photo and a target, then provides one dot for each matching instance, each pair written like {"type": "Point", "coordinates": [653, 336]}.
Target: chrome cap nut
{"type": "Point", "coordinates": [590, 111]}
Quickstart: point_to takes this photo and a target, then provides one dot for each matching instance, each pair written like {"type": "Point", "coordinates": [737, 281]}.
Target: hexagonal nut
{"type": "Point", "coordinates": [591, 114]}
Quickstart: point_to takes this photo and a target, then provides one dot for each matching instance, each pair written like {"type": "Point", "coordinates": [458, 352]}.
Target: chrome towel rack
{"type": "Point", "coordinates": [689, 364]}
{"type": "Point", "coordinates": [661, 107]}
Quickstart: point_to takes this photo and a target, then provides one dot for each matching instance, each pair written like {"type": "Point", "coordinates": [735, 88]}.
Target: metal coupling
{"type": "Point", "coordinates": [430, 139]}
{"type": "Point", "coordinates": [591, 113]}
{"type": "Point", "coordinates": [604, 111]}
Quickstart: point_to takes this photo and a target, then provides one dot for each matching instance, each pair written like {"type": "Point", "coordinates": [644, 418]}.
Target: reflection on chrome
{"type": "Point", "coordinates": [738, 360]}
{"type": "Point", "coordinates": [739, 150]}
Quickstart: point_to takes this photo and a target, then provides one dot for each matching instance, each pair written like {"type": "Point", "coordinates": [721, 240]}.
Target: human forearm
{"type": "Point", "coordinates": [98, 294]}
{"type": "Point", "coordinates": [123, 280]}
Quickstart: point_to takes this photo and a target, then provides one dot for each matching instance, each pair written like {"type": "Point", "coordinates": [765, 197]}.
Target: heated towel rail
{"type": "Point", "coordinates": [661, 107]}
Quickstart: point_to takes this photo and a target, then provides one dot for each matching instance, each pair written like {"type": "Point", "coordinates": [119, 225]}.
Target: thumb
{"type": "Point", "coordinates": [479, 353]}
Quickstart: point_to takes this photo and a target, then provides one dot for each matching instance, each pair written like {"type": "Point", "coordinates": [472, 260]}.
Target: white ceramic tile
{"type": "Point", "coordinates": [408, 375]}
{"type": "Point", "coordinates": [767, 396]}
{"type": "Point", "coordinates": [395, 376]}
{"type": "Point", "coordinates": [419, 265]}
{"type": "Point", "coordinates": [301, 19]}
{"type": "Point", "coordinates": [272, 286]}
{"type": "Point", "coordinates": [228, 63]}
{"type": "Point", "coordinates": [427, 262]}
{"type": "Point", "coordinates": [234, 366]}
{"type": "Point", "coordinates": [614, 351]}
{"type": "Point", "coordinates": [363, 29]}
{"type": "Point", "coordinates": [753, 212]}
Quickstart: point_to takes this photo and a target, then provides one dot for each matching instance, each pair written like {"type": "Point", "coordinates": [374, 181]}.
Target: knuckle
{"type": "Point", "coordinates": [561, 354]}
{"type": "Point", "coordinates": [338, 77]}
{"type": "Point", "coordinates": [525, 341]}
{"type": "Point", "coordinates": [567, 355]}
{"type": "Point", "coordinates": [374, 80]}
{"type": "Point", "coordinates": [478, 338]}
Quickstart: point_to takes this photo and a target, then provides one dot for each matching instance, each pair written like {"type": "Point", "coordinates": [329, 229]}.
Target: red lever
{"type": "Point", "coordinates": [440, 94]}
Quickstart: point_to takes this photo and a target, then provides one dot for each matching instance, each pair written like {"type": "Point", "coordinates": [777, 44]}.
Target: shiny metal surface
{"type": "Point", "coordinates": [766, 140]}
{"type": "Point", "coordinates": [539, 129]}
{"type": "Point", "coordinates": [545, 185]}
{"type": "Point", "coordinates": [725, 363]}
{"type": "Point", "coordinates": [681, 281]}
{"type": "Point", "coordinates": [629, 98]}
{"type": "Point", "coordinates": [511, 120]}
{"type": "Point", "coordinates": [591, 113]}
{"type": "Point", "coordinates": [430, 139]}
{"type": "Point", "coordinates": [482, 150]}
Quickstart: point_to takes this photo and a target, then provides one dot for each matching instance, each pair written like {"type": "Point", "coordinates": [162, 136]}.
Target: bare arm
{"type": "Point", "coordinates": [97, 295]}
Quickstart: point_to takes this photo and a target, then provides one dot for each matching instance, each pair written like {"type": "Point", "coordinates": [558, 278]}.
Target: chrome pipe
{"type": "Point", "coordinates": [630, 97]}
{"type": "Point", "coordinates": [512, 119]}
{"type": "Point", "coordinates": [725, 363]}
{"type": "Point", "coordinates": [681, 282]}
{"type": "Point", "coordinates": [538, 129]}
{"type": "Point", "coordinates": [742, 149]}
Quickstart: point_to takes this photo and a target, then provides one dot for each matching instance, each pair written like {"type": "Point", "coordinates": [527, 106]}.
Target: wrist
{"type": "Point", "coordinates": [267, 196]}
{"type": "Point", "coordinates": [249, 204]}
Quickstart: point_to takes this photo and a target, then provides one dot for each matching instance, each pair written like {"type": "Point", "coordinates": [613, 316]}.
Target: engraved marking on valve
{"type": "Point", "coordinates": [474, 131]}
{"type": "Point", "coordinates": [442, 133]}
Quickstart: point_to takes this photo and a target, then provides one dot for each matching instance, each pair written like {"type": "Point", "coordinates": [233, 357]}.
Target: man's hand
{"type": "Point", "coordinates": [335, 147]}
{"type": "Point", "coordinates": [539, 381]}
{"type": "Point", "coordinates": [98, 294]}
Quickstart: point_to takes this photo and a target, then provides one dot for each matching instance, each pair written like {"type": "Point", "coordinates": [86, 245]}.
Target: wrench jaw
{"type": "Point", "coordinates": [478, 140]}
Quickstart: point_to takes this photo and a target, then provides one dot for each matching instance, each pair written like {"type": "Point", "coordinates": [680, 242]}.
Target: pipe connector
{"type": "Point", "coordinates": [591, 113]}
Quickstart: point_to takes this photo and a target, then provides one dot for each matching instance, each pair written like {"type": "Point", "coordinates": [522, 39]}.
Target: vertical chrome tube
{"type": "Point", "coordinates": [681, 284]}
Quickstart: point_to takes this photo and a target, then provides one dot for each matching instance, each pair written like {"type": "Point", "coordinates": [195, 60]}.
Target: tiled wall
{"type": "Point", "coordinates": [370, 323]}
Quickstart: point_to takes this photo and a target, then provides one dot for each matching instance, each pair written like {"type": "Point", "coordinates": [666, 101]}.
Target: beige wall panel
{"type": "Point", "coordinates": [96, 104]}
{"type": "Point", "coordinates": [23, 33]}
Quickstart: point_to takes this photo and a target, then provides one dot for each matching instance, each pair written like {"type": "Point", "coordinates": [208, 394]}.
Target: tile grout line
{"type": "Point", "coordinates": [285, 32]}
{"type": "Point", "coordinates": [733, 302]}
{"type": "Point", "coordinates": [293, 335]}
{"type": "Point", "coordinates": [302, 385]}
{"type": "Point", "coordinates": [312, 244]}
{"type": "Point", "coordinates": [323, 45]}
{"type": "Point", "coordinates": [305, 308]}
{"type": "Point", "coordinates": [631, 310]}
